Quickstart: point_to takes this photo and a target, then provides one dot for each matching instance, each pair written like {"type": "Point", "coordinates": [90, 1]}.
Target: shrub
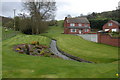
{"type": "Point", "coordinates": [46, 55]}
{"type": "Point", "coordinates": [42, 52]}
{"type": "Point", "coordinates": [35, 43]}
{"type": "Point", "coordinates": [17, 49]}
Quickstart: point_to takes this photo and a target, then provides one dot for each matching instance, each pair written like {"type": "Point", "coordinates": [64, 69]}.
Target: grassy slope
{"type": "Point", "coordinates": [87, 50]}
{"type": "Point", "coordinates": [79, 47]}
{"type": "Point", "coordinates": [8, 34]}
{"type": "Point", "coordinates": [0, 50]}
{"type": "Point", "coordinates": [0, 59]}
{"type": "Point", "coordinates": [24, 66]}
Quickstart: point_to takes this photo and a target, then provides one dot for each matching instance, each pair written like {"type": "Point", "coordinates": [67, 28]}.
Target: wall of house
{"type": "Point", "coordinates": [68, 31]}
{"type": "Point", "coordinates": [83, 31]}
{"type": "Point", "coordinates": [76, 24]}
{"type": "Point", "coordinates": [107, 39]}
{"type": "Point", "coordinates": [110, 27]}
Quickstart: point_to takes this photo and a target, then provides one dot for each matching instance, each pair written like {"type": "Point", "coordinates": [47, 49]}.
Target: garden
{"type": "Point", "coordinates": [17, 65]}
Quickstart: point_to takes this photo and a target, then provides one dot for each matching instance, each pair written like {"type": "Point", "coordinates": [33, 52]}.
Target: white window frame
{"type": "Point", "coordinates": [114, 30]}
{"type": "Point", "coordinates": [72, 24]}
{"type": "Point", "coordinates": [86, 25]}
{"type": "Point", "coordinates": [67, 21]}
{"type": "Point", "coordinates": [86, 30]}
{"type": "Point", "coordinates": [79, 24]}
{"type": "Point", "coordinates": [106, 29]}
{"type": "Point", "coordinates": [110, 24]}
{"type": "Point", "coordinates": [72, 30]}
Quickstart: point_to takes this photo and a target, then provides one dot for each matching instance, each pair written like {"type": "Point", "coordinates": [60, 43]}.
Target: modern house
{"type": "Point", "coordinates": [79, 25]}
{"type": "Point", "coordinates": [111, 26]}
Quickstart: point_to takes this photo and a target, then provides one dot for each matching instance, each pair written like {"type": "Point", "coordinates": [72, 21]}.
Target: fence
{"type": "Point", "coordinates": [9, 35]}
{"type": "Point", "coordinates": [107, 39]}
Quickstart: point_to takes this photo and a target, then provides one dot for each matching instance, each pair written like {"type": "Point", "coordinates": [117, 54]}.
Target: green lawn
{"type": "Point", "coordinates": [0, 50]}
{"type": "Point", "coordinates": [79, 47]}
{"type": "Point", "coordinates": [8, 34]}
{"type": "Point", "coordinates": [0, 31]}
{"type": "Point", "coordinates": [24, 66]}
{"type": "Point", "coordinates": [0, 59]}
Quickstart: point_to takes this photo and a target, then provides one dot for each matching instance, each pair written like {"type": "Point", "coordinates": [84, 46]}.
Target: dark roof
{"type": "Point", "coordinates": [78, 27]}
{"type": "Point", "coordinates": [78, 20]}
{"type": "Point", "coordinates": [115, 22]}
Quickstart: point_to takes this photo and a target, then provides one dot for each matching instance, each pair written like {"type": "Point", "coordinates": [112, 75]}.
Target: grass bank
{"type": "Point", "coordinates": [79, 47]}
{"type": "Point", "coordinates": [25, 66]}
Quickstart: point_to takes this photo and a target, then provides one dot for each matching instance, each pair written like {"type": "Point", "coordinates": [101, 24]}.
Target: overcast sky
{"type": "Point", "coordinates": [65, 7]}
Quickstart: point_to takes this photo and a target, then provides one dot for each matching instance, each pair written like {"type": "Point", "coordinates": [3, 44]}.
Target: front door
{"type": "Point", "coordinates": [80, 31]}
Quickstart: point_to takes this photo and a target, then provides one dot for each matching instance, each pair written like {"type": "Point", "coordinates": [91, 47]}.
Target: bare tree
{"type": "Point", "coordinates": [40, 11]}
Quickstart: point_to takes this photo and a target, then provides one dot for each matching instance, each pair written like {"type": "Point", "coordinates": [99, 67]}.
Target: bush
{"type": "Point", "coordinates": [35, 43]}
{"type": "Point", "coordinates": [9, 24]}
{"type": "Point", "coordinates": [114, 34]}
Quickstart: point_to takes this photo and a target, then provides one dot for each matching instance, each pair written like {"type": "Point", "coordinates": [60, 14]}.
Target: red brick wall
{"type": "Point", "coordinates": [68, 31]}
{"type": "Point", "coordinates": [107, 39]}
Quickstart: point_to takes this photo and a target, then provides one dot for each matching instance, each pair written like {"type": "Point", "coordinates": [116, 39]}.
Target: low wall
{"type": "Point", "coordinates": [107, 39]}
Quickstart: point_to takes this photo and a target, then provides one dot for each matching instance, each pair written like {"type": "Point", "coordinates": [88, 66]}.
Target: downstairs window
{"type": "Point", "coordinates": [73, 30]}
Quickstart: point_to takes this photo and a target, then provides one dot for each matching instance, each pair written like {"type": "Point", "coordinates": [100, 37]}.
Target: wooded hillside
{"type": "Point", "coordinates": [97, 20]}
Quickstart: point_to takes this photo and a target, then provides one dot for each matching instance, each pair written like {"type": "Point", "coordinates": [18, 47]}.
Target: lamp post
{"type": "Point", "coordinates": [14, 17]}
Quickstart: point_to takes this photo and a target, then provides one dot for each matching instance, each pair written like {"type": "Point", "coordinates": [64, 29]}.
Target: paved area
{"type": "Point", "coordinates": [89, 37]}
{"type": "Point", "coordinates": [56, 52]}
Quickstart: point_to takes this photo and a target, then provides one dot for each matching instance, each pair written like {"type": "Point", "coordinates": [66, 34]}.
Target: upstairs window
{"type": "Point", "coordinates": [72, 24]}
{"type": "Point", "coordinates": [86, 25]}
{"type": "Point", "coordinates": [79, 24]}
{"type": "Point", "coordinates": [110, 24]}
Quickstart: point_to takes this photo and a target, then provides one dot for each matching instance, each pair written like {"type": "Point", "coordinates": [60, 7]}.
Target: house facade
{"type": "Point", "coordinates": [79, 25]}
{"type": "Point", "coordinates": [111, 26]}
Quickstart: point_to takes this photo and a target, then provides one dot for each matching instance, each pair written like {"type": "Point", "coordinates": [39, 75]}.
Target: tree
{"type": "Point", "coordinates": [26, 26]}
{"type": "Point", "coordinates": [40, 12]}
{"type": "Point", "coordinates": [9, 24]}
{"type": "Point", "coordinates": [69, 16]}
{"type": "Point", "coordinates": [17, 23]}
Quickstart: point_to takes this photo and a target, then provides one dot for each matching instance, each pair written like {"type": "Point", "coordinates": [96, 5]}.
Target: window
{"type": "Point", "coordinates": [79, 24]}
{"type": "Point", "coordinates": [67, 21]}
{"type": "Point", "coordinates": [86, 30]}
{"type": "Point", "coordinates": [109, 24]}
{"type": "Point", "coordinates": [73, 30]}
{"type": "Point", "coordinates": [86, 25]}
{"type": "Point", "coordinates": [72, 24]}
{"type": "Point", "coordinates": [114, 30]}
{"type": "Point", "coordinates": [106, 29]}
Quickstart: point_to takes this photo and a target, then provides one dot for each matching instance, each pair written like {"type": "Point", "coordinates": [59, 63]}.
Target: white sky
{"type": "Point", "coordinates": [73, 7]}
